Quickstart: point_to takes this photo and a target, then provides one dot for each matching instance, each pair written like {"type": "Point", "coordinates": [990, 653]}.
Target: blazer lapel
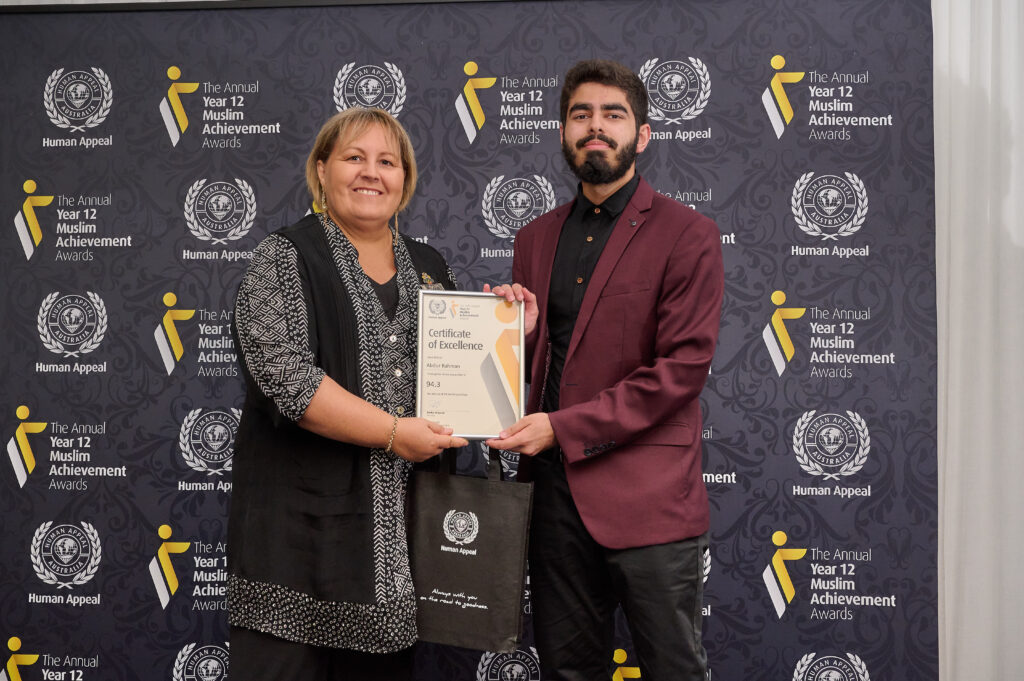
{"type": "Point", "coordinates": [626, 227]}
{"type": "Point", "coordinates": [548, 242]}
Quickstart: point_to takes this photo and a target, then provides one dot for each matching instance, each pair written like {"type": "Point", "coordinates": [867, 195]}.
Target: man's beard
{"type": "Point", "coordinates": [594, 169]}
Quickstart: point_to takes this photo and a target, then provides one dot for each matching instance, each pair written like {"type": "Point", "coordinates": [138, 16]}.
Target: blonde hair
{"type": "Point", "coordinates": [343, 128]}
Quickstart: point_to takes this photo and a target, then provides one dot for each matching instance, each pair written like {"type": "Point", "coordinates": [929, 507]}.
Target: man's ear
{"type": "Point", "coordinates": [643, 137]}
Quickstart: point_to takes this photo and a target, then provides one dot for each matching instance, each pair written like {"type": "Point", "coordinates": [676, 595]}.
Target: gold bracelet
{"type": "Point", "coordinates": [391, 440]}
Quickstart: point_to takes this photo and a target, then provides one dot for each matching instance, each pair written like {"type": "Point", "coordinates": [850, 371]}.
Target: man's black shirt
{"type": "Point", "coordinates": [583, 237]}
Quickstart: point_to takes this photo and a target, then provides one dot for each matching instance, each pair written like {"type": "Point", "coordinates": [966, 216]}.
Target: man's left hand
{"type": "Point", "coordinates": [530, 435]}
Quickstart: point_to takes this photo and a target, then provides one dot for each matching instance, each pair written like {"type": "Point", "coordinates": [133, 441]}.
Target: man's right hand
{"type": "Point", "coordinates": [418, 439]}
{"type": "Point", "coordinates": [514, 292]}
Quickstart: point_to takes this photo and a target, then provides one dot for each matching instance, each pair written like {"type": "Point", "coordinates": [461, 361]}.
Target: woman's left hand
{"type": "Point", "coordinates": [417, 439]}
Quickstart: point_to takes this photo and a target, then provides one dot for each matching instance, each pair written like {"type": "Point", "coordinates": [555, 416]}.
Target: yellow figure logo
{"type": "Point", "coordinates": [776, 335]}
{"type": "Point", "coordinates": [166, 334]}
{"type": "Point", "coordinates": [468, 104]}
{"type": "Point", "coordinates": [171, 110]}
{"type": "Point", "coordinates": [775, 100]}
{"type": "Point", "coordinates": [623, 673]}
{"type": "Point", "coordinates": [160, 568]}
{"type": "Point", "coordinates": [18, 447]}
{"type": "Point", "coordinates": [778, 571]}
{"type": "Point", "coordinates": [16, 660]}
{"type": "Point", "coordinates": [26, 221]}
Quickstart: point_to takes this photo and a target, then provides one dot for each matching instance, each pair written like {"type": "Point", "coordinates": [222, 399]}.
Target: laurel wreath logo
{"type": "Point", "coordinates": [395, 73]}
{"type": "Point", "coordinates": [84, 575]}
{"type": "Point", "coordinates": [191, 458]}
{"type": "Point", "coordinates": [487, 658]}
{"type": "Point", "coordinates": [62, 121]}
{"type": "Point", "coordinates": [805, 663]}
{"type": "Point", "coordinates": [339, 85]}
{"type": "Point", "coordinates": [695, 108]}
{"type": "Point", "coordinates": [201, 232]}
{"type": "Point", "coordinates": [181, 661]}
{"type": "Point", "coordinates": [450, 536]}
{"type": "Point", "coordinates": [850, 467]}
{"type": "Point", "coordinates": [54, 345]}
{"type": "Point", "coordinates": [494, 226]}
{"type": "Point", "coordinates": [847, 228]}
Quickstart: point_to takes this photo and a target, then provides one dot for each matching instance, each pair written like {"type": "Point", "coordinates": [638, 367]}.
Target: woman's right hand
{"type": "Point", "coordinates": [419, 439]}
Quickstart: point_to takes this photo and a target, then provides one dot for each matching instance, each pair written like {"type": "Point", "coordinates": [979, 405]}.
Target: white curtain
{"type": "Point", "coordinates": [979, 167]}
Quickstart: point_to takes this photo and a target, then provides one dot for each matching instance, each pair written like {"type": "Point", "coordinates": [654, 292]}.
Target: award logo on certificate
{"type": "Point", "coordinates": [469, 373]}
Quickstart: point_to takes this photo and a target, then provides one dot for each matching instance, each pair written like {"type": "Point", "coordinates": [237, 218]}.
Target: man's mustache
{"type": "Point", "coordinates": [586, 140]}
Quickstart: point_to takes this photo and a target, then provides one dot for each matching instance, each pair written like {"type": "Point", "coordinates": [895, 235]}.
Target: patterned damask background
{"type": "Point", "coordinates": [710, 68]}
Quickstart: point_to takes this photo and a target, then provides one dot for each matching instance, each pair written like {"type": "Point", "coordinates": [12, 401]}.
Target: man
{"type": "Point", "coordinates": [623, 291]}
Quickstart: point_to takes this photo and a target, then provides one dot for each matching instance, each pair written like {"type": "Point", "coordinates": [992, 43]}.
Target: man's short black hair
{"type": "Point", "coordinates": [609, 73]}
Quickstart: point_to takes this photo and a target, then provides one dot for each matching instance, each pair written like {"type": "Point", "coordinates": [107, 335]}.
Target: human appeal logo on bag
{"type": "Point", "coordinates": [830, 668]}
{"type": "Point", "coordinates": [460, 527]}
{"type": "Point", "coordinates": [519, 665]}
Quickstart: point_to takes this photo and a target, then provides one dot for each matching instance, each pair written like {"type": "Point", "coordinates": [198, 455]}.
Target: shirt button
{"type": "Point", "coordinates": [398, 372]}
{"type": "Point", "coordinates": [392, 338]}
{"type": "Point", "coordinates": [596, 210]}
{"type": "Point", "coordinates": [579, 280]}
{"type": "Point", "coordinates": [590, 238]}
{"type": "Point", "coordinates": [399, 410]}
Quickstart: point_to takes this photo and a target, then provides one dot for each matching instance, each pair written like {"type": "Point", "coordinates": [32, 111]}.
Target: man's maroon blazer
{"type": "Point", "coordinates": [629, 420]}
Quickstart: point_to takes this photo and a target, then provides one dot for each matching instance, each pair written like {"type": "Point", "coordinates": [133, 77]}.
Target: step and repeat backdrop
{"type": "Point", "coordinates": [149, 151]}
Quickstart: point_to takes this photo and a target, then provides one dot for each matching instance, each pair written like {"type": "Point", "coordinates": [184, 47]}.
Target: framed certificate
{"type": "Point", "coordinates": [469, 366]}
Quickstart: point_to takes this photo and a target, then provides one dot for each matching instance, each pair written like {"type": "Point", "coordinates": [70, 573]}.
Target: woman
{"type": "Point", "coordinates": [319, 584]}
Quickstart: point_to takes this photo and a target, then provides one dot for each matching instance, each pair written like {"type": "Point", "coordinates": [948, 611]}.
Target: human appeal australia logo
{"type": "Point", "coordinates": [460, 527]}
{"type": "Point", "coordinates": [77, 100]}
{"type": "Point", "coordinates": [519, 665]}
{"type": "Point", "coordinates": [207, 440]}
{"type": "Point", "coordinates": [830, 668]}
{"type": "Point", "coordinates": [205, 663]}
{"type": "Point", "coordinates": [370, 86]}
{"type": "Point", "coordinates": [65, 555]}
{"type": "Point", "coordinates": [509, 204]}
{"type": "Point", "coordinates": [71, 325]}
{"type": "Point", "coordinates": [829, 206]}
{"type": "Point", "coordinates": [220, 211]}
{"type": "Point", "coordinates": [677, 91]}
{"type": "Point", "coordinates": [831, 445]}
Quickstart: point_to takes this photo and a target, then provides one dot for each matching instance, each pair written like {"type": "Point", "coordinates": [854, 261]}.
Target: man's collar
{"type": "Point", "coordinates": [614, 204]}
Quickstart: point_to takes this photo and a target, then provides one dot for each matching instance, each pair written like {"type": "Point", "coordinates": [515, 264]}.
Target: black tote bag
{"type": "Point", "coordinates": [468, 542]}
